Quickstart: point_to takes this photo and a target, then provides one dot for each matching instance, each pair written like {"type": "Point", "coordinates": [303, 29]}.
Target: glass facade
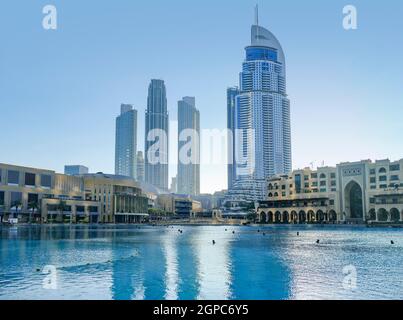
{"type": "Point", "coordinates": [33, 198]}
{"type": "Point", "coordinates": [188, 181]}
{"type": "Point", "coordinates": [298, 183]}
{"type": "Point", "coordinates": [30, 179]}
{"type": "Point", "coordinates": [260, 53]}
{"type": "Point", "coordinates": [16, 198]}
{"type": "Point", "coordinates": [46, 181]}
{"type": "Point", "coordinates": [13, 177]}
{"type": "Point", "coordinates": [356, 206]}
{"type": "Point", "coordinates": [157, 119]}
{"type": "Point", "coordinates": [231, 98]}
{"type": "Point", "coordinates": [126, 142]}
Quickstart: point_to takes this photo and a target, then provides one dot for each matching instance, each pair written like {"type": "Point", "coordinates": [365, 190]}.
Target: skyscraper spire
{"type": "Point", "coordinates": [257, 15]}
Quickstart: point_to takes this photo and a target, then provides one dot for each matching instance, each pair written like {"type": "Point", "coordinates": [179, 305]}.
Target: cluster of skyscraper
{"type": "Point", "coordinates": [143, 167]}
{"type": "Point", "coordinates": [258, 118]}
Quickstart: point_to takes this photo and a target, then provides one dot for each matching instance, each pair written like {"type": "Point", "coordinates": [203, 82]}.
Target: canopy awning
{"type": "Point", "coordinates": [132, 214]}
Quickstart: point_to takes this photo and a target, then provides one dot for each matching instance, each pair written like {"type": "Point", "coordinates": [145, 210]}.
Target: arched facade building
{"type": "Point", "coordinates": [359, 192]}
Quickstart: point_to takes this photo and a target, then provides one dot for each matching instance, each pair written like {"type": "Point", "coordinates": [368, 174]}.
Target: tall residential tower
{"type": "Point", "coordinates": [126, 142]}
{"type": "Point", "coordinates": [156, 146]}
{"type": "Point", "coordinates": [262, 131]}
{"type": "Point", "coordinates": [188, 147]}
{"type": "Point", "coordinates": [231, 96]}
{"type": "Point", "coordinates": [140, 166]}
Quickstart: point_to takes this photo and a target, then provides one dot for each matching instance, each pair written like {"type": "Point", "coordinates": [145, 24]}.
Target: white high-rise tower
{"type": "Point", "coordinates": [262, 131]}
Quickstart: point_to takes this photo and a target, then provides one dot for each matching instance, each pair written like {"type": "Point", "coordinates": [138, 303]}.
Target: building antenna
{"type": "Point", "coordinates": [257, 21]}
{"type": "Point", "coordinates": [257, 15]}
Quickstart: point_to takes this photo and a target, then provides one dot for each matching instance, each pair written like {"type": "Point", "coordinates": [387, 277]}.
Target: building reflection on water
{"type": "Point", "coordinates": [213, 264]}
{"type": "Point", "coordinates": [170, 249]}
{"type": "Point", "coordinates": [126, 263]}
{"type": "Point", "coordinates": [122, 262]}
{"type": "Point", "coordinates": [173, 266]}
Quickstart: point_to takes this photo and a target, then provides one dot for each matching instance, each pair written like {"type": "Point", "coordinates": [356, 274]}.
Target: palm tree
{"type": "Point", "coordinates": [252, 216]}
{"type": "Point", "coordinates": [16, 204]}
{"type": "Point", "coordinates": [61, 207]}
{"type": "Point", "coordinates": [2, 206]}
{"type": "Point", "coordinates": [33, 205]}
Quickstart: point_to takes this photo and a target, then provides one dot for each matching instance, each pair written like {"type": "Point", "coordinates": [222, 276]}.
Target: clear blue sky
{"type": "Point", "coordinates": [60, 91]}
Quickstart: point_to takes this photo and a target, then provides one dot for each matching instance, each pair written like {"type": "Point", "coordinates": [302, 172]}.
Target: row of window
{"type": "Point", "coordinates": [392, 167]}
{"type": "Point", "coordinates": [295, 204]}
{"type": "Point", "coordinates": [306, 185]}
{"type": "Point", "coordinates": [386, 186]}
{"type": "Point", "coordinates": [314, 175]}
{"type": "Point", "coordinates": [13, 178]}
{"type": "Point", "coordinates": [284, 194]}
{"type": "Point", "coordinates": [16, 198]}
{"type": "Point", "coordinates": [385, 178]}
{"type": "Point", "coordinates": [385, 201]}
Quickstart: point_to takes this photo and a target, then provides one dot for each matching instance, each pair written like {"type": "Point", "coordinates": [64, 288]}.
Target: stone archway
{"type": "Point", "coordinates": [320, 216]}
{"type": "Point", "coordinates": [372, 215]}
{"type": "Point", "coordinates": [277, 217]}
{"type": "Point", "coordinates": [269, 217]}
{"type": "Point", "coordinates": [302, 216]}
{"type": "Point", "coordinates": [311, 216]}
{"type": "Point", "coordinates": [294, 217]}
{"type": "Point", "coordinates": [332, 216]}
{"type": "Point", "coordinates": [394, 215]}
{"type": "Point", "coordinates": [286, 217]}
{"type": "Point", "coordinates": [263, 217]}
{"type": "Point", "coordinates": [383, 215]}
{"type": "Point", "coordinates": [353, 197]}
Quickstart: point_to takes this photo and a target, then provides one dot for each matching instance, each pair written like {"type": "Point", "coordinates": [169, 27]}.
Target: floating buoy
{"type": "Point", "coordinates": [392, 242]}
{"type": "Point", "coordinates": [213, 241]}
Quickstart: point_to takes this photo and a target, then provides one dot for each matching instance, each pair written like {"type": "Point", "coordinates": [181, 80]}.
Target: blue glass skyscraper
{"type": "Point", "coordinates": [262, 131]}
{"type": "Point", "coordinates": [157, 120]}
{"type": "Point", "coordinates": [126, 142]}
{"type": "Point", "coordinates": [188, 173]}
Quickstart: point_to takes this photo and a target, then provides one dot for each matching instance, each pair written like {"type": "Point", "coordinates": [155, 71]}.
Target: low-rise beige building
{"type": "Point", "coordinates": [121, 198]}
{"type": "Point", "coordinates": [31, 194]}
{"type": "Point", "coordinates": [355, 192]}
{"type": "Point", "coordinates": [180, 205]}
{"type": "Point", "coordinates": [39, 195]}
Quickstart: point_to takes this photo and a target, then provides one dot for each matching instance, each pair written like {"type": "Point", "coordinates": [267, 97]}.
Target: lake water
{"type": "Point", "coordinates": [128, 262]}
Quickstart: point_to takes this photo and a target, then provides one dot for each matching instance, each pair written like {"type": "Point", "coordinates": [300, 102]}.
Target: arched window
{"type": "Point", "coordinates": [270, 195]}
{"type": "Point", "coordinates": [276, 194]}
{"type": "Point", "coordinates": [270, 186]}
{"type": "Point", "coordinates": [323, 176]}
{"type": "Point", "coordinates": [382, 170]}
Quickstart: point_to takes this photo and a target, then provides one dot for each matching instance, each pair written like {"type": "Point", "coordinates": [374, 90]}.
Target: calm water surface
{"type": "Point", "coordinates": [127, 262]}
